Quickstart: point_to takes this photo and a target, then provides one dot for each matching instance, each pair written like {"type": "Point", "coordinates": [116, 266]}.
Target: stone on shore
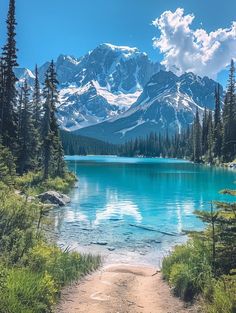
{"type": "Point", "coordinates": [55, 198]}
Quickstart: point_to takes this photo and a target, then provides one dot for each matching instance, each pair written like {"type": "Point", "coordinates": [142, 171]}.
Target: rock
{"type": "Point", "coordinates": [127, 233]}
{"type": "Point", "coordinates": [100, 243]}
{"type": "Point", "coordinates": [152, 241]}
{"type": "Point", "coordinates": [111, 249]}
{"type": "Point", "coordinates": [55, 198]}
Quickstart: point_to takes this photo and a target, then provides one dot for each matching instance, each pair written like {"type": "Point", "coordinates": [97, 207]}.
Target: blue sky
{"type": "Point", "coordinates": [47, 28]}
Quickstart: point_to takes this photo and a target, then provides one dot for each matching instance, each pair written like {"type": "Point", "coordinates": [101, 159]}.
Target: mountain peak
{"type": "Point", "coordinates": [123, 49]}
{"type": "Point", "coordinates": [67, 58]}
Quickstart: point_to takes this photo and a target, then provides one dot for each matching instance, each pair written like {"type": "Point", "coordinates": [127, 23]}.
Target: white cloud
{"type": "Point", "coordinates": [188, 50]}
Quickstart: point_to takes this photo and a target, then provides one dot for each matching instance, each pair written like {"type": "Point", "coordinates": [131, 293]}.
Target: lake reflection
{"type": "Point", "coordinates": [123, 206]}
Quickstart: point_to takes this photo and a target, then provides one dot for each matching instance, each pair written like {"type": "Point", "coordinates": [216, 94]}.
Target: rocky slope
{"type": "Point", "coordinates": [167, 103]}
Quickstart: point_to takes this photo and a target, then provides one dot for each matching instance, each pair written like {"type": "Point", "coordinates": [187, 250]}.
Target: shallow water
{"type": "Point", "coordinates": [133, 210]}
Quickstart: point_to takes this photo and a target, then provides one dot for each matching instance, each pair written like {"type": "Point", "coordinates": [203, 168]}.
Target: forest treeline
{"type": "Point", "coordinates": [211, 138]}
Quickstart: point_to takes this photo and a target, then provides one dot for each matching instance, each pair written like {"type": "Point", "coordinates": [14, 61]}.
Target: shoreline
{"type": "Point", "coordinates": [148, 256]}
{"type": "Point", "coordinates": [229, 166]}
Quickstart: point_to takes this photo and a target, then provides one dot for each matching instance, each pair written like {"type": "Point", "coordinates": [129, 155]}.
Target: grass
{"type": "Point", "coordinates": [35, 287]}
{"type": "Point", "coordinates": [32, 271]}
{"type": "Point", "coordinates": [188, 271]}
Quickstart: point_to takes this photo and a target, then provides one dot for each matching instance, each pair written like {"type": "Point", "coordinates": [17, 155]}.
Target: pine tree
{"type": "Point", "coordinates": [205, 132]}
{"type": "Point", "coordinates": [209, 151]}
{"type": "Point", "coordinates": [217, 131]}
{"type": "Point", "coordinates": [222, 225]}
{"type": "Point", "coordinates": [53, 161]}
{"type": "Point", "coordinates": [9, 117]}
{"type": "Point", "coordinates": [26, 134]}
{"type": "Point", "coordinates": [19, 112]}
{"type": "Point", "coordinates": [37, 119]}
{"type": "Point", "coordinates": [37, 102]}
{"type": "Point", "coordinates": [229, 119]}
{"type": "Point", "coordinates": [46, 130]}
{"type": "Point", "coordinates": [2, 83]}
{"type": "Point", "coordinates": [197, 153]}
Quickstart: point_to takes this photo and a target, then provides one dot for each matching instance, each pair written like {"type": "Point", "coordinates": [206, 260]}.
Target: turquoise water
{"type": "Point", "coordinates": [136, 209]}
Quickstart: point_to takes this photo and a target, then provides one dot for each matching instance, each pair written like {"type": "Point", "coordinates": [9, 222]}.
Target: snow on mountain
{"type": "Point", "coordinates": [100, 85]}
{"type": "Point", "coordinates": [167, 103]}
{"type": "Point", "coordinates": [23, 74]}
{"type": "Point", "coordinates": [116, 93]}
{"type": "Point", "coordinates": [80, 107]}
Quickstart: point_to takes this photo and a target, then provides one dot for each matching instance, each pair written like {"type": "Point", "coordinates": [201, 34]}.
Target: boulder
{"type": "Point", "coordinates": [100, 243]}
{"type": "Point", "coordinates": [55, 198]}
{"type": "Point", "coordinates": [111, 248]}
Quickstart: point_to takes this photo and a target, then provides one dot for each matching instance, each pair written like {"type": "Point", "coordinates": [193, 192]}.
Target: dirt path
{"type": "Point", "coordinates": [121, 289]}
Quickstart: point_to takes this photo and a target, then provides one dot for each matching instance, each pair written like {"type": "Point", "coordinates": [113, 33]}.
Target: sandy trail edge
{"type": "Point", "coordinates": [121, 289]}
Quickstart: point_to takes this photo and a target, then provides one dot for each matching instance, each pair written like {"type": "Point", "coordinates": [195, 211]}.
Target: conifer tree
{"type": "Point", "coordinates": [9, 117]}
{"type": "Point", "coordinates": [19, 112]}
{"type": "Point", "coordinates": [26, 134]}
{"type": "Point", "coordinates": [197, 139]}
{"type": "Point", "coordinates": [210, 138]}
{"type": "Point", "coordinates": [46, 130]}
{"type": "Point", "coordinates": [2, 83]}
{"type": "Point", "coordinates": [205, 132]}
{"type": "Point", "coordinates": [37, 102]}
{"type": "Point", "coordinates": [217, 131]}
{"type": "Point", "coordinates": [37, 118]}
{"type": "Point", "coordinates": [229, 124]}
{"type": "Point", "coordinates": [53, 162]}
{"type": "Point", "coordinates": [222, 225]}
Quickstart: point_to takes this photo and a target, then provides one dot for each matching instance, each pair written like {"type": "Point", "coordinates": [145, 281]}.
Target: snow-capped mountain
{"type": "Point", "coordinates": [116, 68]}
{"type": "Point", "coordinates": [102, 84]}
{"type": "Point", "coordinates": [116, 93]}
{"type": "Point", "coordinates": [87, 105]}
{"type": "Point", "coordinates": [167, 103]}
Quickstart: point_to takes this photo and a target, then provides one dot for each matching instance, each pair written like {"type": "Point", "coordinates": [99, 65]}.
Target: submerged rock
{"type": "Point", "coordinates": [100, 243]}
{"type": "Point", "coordinates": [111, 249]}
{"type": "Point", "coordinates": [55, 198]}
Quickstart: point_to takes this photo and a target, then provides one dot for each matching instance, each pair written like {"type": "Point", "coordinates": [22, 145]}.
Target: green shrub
{"type": "Point", "coordinates": [33, 183]}
{"type": "Point", "coordinates": [17, 218]}
{"type": "Point", "coordinates": [60, 184]}
{"type": "Point", "coordinates": [7, 166]}
{"type": "Point", "coordinates": [182, 281]}
{"type": "Point", "coordinates": [32, 272]}
{"type": "Point", "coordinates": [224, 296]}
{"type": "Point", "coordinates": [35, 286]}
{"type": "Point", "coordinates": [63, 266]}
{"type": "Point", "coordinates": [27, 292]}
{"type": "Point", "coordinates": [188, 269]}
{"type": "Point", "coordinates": [181, 254]}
